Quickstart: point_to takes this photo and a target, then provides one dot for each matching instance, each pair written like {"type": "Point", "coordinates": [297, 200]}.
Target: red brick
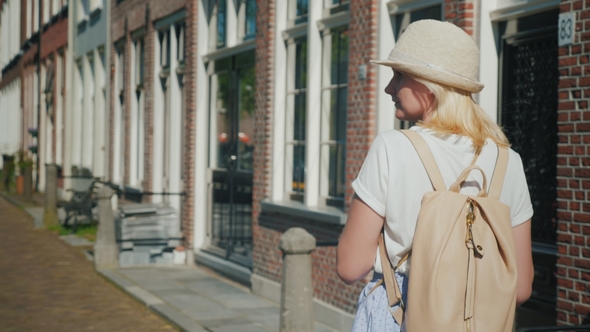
{"type": "Point", "coordinates": [567, 83]}
{"type": "Point", "coordinates": [582, 263]}
{"type": "Point", "coordinates": [583, 310]}
{"type": "Point", "coordinates": [582, 217]}
{"type": "Point", "coordinates": [565, 305]}
{"type": "Point", "coordinates": [585, 173]}
{"type": "Point", "coordinates": [569, 61]}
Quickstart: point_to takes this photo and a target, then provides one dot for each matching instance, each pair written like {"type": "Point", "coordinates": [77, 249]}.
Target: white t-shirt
{"type": "Point", "coordinates": [392, 181]}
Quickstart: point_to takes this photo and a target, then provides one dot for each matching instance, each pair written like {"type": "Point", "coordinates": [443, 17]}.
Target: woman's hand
{"type": "Point", "coordinates": [357, 247]}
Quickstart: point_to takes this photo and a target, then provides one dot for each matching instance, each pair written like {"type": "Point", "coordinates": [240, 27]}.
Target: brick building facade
{"type": "Point", "coordinates": [573, 232]}
{"type": "Point", "coordinates": [151, 117]}
{"type": "Point", "coordinates": [260, 114]}
{"type": "Point", "coordinates": [506, 32]}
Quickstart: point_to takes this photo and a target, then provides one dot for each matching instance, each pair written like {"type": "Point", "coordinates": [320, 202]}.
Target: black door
{"type": "Point", "coordinates": [529, 116]}
{"type": "Point", "coordinates": [231, 162]}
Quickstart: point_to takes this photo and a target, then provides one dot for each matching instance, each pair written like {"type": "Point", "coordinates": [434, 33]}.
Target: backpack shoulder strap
{"type": "Point", "coordinates": [427, 159]}
{"type": "Point", "coordinates": [499, 173]}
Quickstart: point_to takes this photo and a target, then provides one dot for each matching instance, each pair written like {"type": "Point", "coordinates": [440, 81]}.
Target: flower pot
{"type": "Point", "coordinates": [20, 184]}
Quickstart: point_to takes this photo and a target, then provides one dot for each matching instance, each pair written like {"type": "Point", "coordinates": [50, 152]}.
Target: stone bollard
{"type": "Point", "coordinates": [296, 288]}
{"type": "Point", "coordinates": [50, 214]}
{"type": "Point", "coordinates": [28, 184]}
{"type": "Point", "coordinates": [106, 252]}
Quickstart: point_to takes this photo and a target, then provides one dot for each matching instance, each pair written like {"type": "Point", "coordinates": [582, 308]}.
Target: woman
{"type": "Point", "coordinates": [435, 66]}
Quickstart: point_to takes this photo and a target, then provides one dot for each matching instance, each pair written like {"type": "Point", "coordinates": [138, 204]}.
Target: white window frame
{"type": "Point", "coordinates": [78, 114]}
{"type": "Point", "coordinates": [317, 24]}
{"type": "Point", "coordinates": [59, 89]}
{"type": "Point", "coordinates": [292, 17]}
{"type": "Point", "coordinates": [119, 116]}
{"type": "Point", "coordinates": [235, 27]}
{"type": "Point", "coordinates": [168, 128]}
{"type": "Point", "coordinates": [137, 119]}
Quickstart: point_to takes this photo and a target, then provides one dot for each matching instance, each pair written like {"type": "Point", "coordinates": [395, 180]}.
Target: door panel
{"type": "Point", "coordinates": [529, 117]}
{"type": "Point", "coordinates": [231, 158]}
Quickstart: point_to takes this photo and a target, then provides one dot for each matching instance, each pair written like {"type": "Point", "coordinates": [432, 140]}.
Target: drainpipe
{"type": "Point", "coordinates": [39, 92]}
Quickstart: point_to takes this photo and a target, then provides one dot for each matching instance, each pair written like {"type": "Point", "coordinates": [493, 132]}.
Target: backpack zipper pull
{"type": "Point", "coordinates": [470, 220]}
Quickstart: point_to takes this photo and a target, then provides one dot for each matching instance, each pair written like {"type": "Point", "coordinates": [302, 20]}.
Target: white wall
{"type": "Point", "coordinates": [10, 118]}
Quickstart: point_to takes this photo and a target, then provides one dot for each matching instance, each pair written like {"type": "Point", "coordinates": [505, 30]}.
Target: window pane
{"type": "Point", "coordinates": [296, 143]}
{"type": "Point", "coordinates": [301, 13]}
{"type": "Point", "coordinates": [298, 168]}
{"type": "Point", "coordinates": [337, 117]}
{"type": "Point", "coordinates": [299, 117]}
{"type": "Point", "coordinates": [221, 18]}
{"type": "Point", "coordinates": [250, 28]}
{"type": "Point", "coordinates": [221, 108]}
{"type": "Point", "coordinates": [301, 64]}
{"type": "Point", "coordinates": [246, 110]}
{"type": "Point", "coordinates": [339, 60]}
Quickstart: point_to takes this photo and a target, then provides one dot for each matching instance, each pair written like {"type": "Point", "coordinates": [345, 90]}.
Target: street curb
{"type": "Point", "coordinates": [153, 303]}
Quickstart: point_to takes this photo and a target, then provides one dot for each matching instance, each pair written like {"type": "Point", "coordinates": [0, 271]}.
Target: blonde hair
{"type": "Point", "coordinates": [455, 112]}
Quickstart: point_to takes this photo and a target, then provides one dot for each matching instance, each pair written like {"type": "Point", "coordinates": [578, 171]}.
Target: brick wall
{"type": "Point", "coordinates": [265, 241]}
{"type": "Point", "coordinates": [268, 227]}
{"type": "Point", "coordinates": [148, 90]}
{"type": "Point", "coordinates": [130, 16]}
{"type": "Point", "coordinates": [190, 88]}
{"type": "Point", "coordinates": [573, 174]}
{"type": "Point", "coordinates": [461, 13]}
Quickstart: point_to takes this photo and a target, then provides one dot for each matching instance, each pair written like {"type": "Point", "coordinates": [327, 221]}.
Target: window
{"type": "Point", "coordinates": [139, 63]}
{"type": "Point", "coordinates": [298, 10]}
{"type": "Point", "coordinates": [137, 113]}
{"type": "Point", "coordinates": [334, 112]}
{"type": "Point", "coordinates": [180, 42]}
{"type": "Point", "coordinates": [119, 116]}
{"type": "Point", "coordinates": [250, 21]}
{"type": "Point", "coordinates": [295, 128]}
{"type": "Point", "coordinates": [221, 22]}
{"type": "Point", "coordinates": [164, 38]}
{"type": "Point", "coordinates": [230, 22]}
{"type": "Point", "coordinates": [335, 6]}
{"type": "Point", "coordinates": [402, 20]}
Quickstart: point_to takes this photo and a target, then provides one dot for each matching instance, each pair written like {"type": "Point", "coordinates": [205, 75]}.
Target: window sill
{"type": "Point", "coordinates": [326, 214]}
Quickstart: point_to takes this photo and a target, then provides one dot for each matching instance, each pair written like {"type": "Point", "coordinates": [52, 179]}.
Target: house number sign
{"type": "Point", "coordinates": [566, 29]}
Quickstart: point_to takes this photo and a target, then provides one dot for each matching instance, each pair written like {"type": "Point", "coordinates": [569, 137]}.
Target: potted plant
{"type": "Point", "coordinates": [24, 164]}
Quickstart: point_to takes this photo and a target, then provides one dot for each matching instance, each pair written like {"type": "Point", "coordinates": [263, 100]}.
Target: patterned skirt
{"type": "Point", "coordinates": [373, 313]}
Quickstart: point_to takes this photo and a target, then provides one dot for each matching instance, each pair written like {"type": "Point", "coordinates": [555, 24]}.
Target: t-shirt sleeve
{"type": "Point", "coordinates": [521, 208]}
{"type": "Point", "coordinates": [371, 182]}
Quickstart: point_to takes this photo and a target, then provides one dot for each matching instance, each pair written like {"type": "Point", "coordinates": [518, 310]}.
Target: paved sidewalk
{"type": "Point", "coordinates": [191, 298]}
{"type": "Point", "coordinates": [48, 285]}
{"type": "Point", "coordinates": [198, 301]}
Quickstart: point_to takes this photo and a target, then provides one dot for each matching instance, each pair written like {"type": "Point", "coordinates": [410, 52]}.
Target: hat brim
{"type": "Point", "coordinates": [434, 75]}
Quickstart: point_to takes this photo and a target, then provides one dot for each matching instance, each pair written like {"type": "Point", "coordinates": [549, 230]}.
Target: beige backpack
{"type": "Point", "coordinates": [463, 274]}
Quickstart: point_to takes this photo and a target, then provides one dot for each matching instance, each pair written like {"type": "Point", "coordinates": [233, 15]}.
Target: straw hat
{"type": "Point", "coordinates": [439, 52]}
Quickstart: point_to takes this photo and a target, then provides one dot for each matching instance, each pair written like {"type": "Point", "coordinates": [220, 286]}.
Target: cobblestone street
{"type": "Point", "coordinates": [47, 285]}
